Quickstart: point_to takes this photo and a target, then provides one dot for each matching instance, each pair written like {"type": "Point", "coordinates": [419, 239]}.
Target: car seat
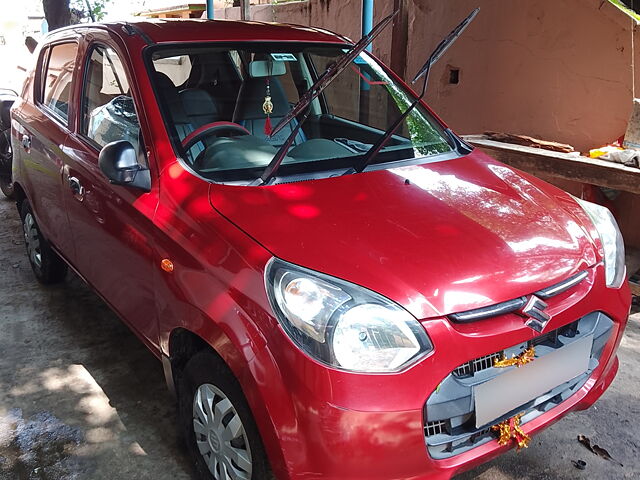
{"type": "Point", "coordinates": [182, 122]}
{"type": "Point", "coordinates": [199, 107]}
{"type": "Point", "coordinates": [249, 112]}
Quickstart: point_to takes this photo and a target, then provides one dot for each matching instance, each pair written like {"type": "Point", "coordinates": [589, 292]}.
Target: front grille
{"type": "Point", "coordinates": [479, 364]}
{"type": "Point", "coordinates": [449, 413]}
{"type": "Point", "coordinates": [436, 428]}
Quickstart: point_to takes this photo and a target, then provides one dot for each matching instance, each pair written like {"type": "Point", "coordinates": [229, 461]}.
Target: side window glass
{"type": "Point", "coordinates": [58, 77]}
{"type": "Point", "coordinates": [108, 112]}
{"type": "Point", "coordinates": [41, 74]}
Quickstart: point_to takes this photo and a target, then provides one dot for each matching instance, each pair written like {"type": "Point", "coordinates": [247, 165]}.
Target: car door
{"type": "Point", "coordinates": [111, 225]}
{"type": "Point", "coordinates": [42, 127]}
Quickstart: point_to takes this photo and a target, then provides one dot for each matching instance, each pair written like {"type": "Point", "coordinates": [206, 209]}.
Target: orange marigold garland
{"type": "Point", "coordinates": [510, 430]}
{"type": "Point", "coordinates": [525, 357]}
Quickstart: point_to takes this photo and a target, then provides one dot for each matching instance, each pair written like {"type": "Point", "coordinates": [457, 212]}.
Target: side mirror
{"type": "Point", "coordinates": [119, 163]}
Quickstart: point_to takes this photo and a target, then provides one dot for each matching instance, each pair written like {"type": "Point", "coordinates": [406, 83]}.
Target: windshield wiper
{"type": "Point", "coordinates": [424, 71]}
{"type": "Point", "coordinates": [274, 164]}
{"type": "Point", "coordinates": [332, 72]}
{"type": "Point", "coordinates": [335, 69]}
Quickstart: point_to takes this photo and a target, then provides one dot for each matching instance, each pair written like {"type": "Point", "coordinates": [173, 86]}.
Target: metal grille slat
{"type": "Point", "coordinates": [477, 365]}
{"type": "Point", "coordinates": [436, 428]}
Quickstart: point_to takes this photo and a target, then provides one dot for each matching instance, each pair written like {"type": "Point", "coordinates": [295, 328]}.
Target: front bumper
{"type": "Point", "coordinates": [323, 423]}
{"type": "Point", "coordinates": [450, 426]}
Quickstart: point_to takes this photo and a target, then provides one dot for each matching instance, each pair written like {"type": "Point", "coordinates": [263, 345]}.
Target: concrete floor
{"type": "Point", "coordinates": [81, 397]}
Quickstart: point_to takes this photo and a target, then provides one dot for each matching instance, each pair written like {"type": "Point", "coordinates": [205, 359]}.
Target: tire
{"type": "Point", "coordinates": [6, 185]}
{"type": "Point", "coordinates": [46, 264]}
{"type": "Point", "coordinates": [207, 380]}
{"type": "Point", "coordinates": [6, 158]}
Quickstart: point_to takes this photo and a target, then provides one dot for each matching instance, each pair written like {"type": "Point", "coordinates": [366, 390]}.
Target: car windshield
{"type": "Point", "coordinates": [221, 103]}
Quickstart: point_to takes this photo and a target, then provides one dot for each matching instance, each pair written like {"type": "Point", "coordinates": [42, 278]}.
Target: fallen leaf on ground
{"type": "Point", "coordinates": [596, 449]}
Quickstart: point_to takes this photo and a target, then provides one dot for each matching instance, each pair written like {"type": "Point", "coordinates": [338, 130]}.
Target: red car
{"type": "Point", "coordinates": [337, 286]}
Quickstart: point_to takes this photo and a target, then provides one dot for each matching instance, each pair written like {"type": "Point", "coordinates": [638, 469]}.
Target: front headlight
{"type": "Point", "coordinates": [611, 239]}
{"type": "Point", "coordinates": [341, 324]}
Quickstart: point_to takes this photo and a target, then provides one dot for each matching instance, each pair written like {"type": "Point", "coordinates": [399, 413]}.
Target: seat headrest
{"type": "Point", "coordinates": [251, 99]}
{"type": "Point", "coordinates": [164, 82]}
{"type": "Point", "coordinates": [169, 93]}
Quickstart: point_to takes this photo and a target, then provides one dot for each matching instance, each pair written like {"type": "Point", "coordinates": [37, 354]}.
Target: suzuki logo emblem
{"type": "Point", "coordinates": [533, 310]}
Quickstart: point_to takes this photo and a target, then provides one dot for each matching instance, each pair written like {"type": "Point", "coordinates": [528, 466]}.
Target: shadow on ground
{"type": "Point", "coordinates": [80, 395]}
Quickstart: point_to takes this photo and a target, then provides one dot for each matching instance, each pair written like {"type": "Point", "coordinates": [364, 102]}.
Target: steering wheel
{"type": "Point", "coordinates": [214, 128]}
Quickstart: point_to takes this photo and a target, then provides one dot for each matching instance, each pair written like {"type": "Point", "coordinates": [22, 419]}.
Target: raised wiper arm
{"type": "Point", "coordinates": [332, 72]}
{"type": "Point", "coordinates": [278, 158]}
{"type": "Point", "coordinates": [424, 71]}
{"type": "Point", "coordinates": [444, 45]}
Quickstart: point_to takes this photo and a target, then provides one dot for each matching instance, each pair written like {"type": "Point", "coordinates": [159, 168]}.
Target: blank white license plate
{"type": "Point", "coordinates": [521, 385]}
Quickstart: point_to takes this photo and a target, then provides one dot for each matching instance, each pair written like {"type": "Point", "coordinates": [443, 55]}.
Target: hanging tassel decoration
{"type": "Point", "coordinates": [267, 108]}
{"type": "Point", "coordinates": [267, 127]}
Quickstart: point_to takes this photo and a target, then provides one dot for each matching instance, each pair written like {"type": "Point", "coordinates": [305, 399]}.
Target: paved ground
{"type": "Point", "coordinates": [81, 398]}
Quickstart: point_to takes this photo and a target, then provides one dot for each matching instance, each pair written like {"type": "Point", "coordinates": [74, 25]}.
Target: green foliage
{"type": "Point", "coordinates": [426, 139]}
{"type": "Point", "coordinates": [92, 10]}
{"type": "Point", "coordinates": [625, 9]}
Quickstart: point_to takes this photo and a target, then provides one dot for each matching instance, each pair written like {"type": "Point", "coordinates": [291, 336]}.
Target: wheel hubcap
{"type": "Point", "coordinates": [220, 435]}
{"type": "Point", "coordinates": [32, 240]}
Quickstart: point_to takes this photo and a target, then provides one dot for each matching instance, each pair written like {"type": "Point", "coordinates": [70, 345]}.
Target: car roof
{"type": "Point", "coordinates": [159, 31]}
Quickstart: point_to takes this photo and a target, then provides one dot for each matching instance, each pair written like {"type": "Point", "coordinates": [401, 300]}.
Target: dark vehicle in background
{"type": "Point", "coordinates": [7, 97]}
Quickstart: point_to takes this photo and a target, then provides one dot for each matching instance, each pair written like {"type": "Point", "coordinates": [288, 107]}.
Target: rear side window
{"type": "Point", "coordinates": [108, 111]}
{"type": "Point", "coordinates": [58, 75]}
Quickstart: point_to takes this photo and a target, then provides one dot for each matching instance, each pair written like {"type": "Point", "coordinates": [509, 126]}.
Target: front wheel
{"type": "Point", "coordinates": [217, 424]}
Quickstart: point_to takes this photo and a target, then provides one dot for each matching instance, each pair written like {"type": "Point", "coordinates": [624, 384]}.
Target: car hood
{"type": "Point", "coordinates": [437, 238]}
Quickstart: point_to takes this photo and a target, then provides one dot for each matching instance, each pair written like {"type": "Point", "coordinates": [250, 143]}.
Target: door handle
{"type": "Point", "coordinates": [26, 143]}
{"type": "Point", "coordinates": [76, 188]}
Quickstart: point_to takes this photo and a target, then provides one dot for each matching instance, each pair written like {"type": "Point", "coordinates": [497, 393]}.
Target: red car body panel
{"type": "Point", "coordinates": [45, 158]}
{"type": "Point", "coordinates": [437, 244]}
{"type": "Point", "coordinates": [436, 238]}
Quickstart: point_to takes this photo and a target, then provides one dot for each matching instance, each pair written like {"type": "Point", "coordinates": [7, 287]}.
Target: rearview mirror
{"type": "Point", "coordinates": [119, 163]}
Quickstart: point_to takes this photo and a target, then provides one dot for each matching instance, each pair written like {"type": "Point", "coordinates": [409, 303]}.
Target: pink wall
{"type": "Point", "coordinates": [341, 16]}
{"type": "Point", "coordinates": [558, 70]}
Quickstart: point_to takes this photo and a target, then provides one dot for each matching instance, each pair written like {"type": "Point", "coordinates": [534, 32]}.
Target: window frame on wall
{"type": "Point", "coordinates": [40, 82]}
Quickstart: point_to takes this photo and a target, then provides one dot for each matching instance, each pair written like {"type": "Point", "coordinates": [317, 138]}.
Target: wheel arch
{"type": "Point", "coordinates": [20, 195]}
{"type": "Point", "coordinates": [184, 343]}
